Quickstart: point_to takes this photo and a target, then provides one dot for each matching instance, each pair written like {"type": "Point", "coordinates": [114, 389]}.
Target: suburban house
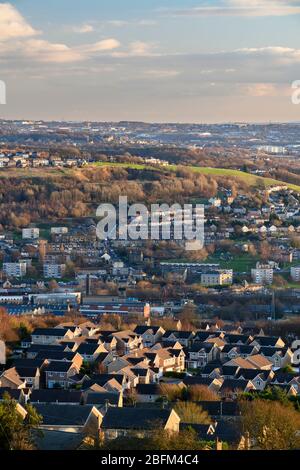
{"type": "Point", "coordinates": [119, 422]}
{"type": "Point", "coordinates": [34, 349]}
{"type": "Point", "coordinates": [143, 374]}
{"type": "Point", "coordinates": [108, 382]}
{"type": "Point", "coordinates": [11, 379]}
{"type": "Point", "coordinates": [50, 335]}
{"type": "Point", "coordinates": [104, 359]}
{"type": "Point", "coordinates": [150, 334]}
{"type": "Point", "coordinates": [127, 341]}
{"type": "Point", "coordinates": [220, 431]}
{"type": "Point", "coordinates": [182, 337]}
{"type": "Point", "coordinates": [109, 341]}
{"type": "Point", "coordinates": [257, 361]}
{"type": "Point", "coordinates": [148, 393]}
{"type": "Point", "coordinates": [280, 357]}
{"type": "Point", "coordinates": [286, 379]}
{"type": "Point", "coordinates": [17, 394]}
{"type": "Point", "coordinates": [76, 330]}
{"type": "Point", "coordinates": [231, 388]}
{"type": "Point", "coordinates": [213, 384]}
{"type": "Point", "coordinates": [170, 359]}
{"type": "Point", "coordinates": [259, 378]}
{"type": "Point", "coordinates": [57, 373]}
{"type": "Point", "coordinates": [103, 400]}
{"type": "Point", "coordinates": [231, 351]}
{"type": "Point", "coordinates": [232, 338]}
{"type": "Point", "coordinates": [52, 355]}
{"type": "Point", "coordinates": [200, 354]}
{"type": "Point", "coordinates": [90, 351]}
{"type": "Point", "coordinates": [271, 341]}
{"type": "Point", "coordinates": [70, 418]}
{"type": "Point", "coordinates": [30, 375]}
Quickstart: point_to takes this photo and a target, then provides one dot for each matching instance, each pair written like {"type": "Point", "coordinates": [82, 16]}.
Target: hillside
{"type": "Point", "coordinates": [252, 180]}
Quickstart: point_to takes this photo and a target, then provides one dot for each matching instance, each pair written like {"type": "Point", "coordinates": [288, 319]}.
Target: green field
{"type": "Point", "coordinates": [241, 264]}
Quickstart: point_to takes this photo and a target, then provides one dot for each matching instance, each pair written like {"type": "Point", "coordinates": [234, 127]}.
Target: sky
{"type": "Point", "coordinates": [150, 60]}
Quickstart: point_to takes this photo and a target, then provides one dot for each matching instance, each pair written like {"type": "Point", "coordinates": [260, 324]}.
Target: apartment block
{"type": "Point", "coordinates": [55, 271]}
{"type": "Point", "coordinates": [295, 273]}
{"type": "Point", "coordinates": [30, 233]}
{"type": "Point", "coordinates": [217, 278]}
{"type": "Point", "coordinates": [262, 274]}
{"type": "Point", "coordinates": [15, 269]}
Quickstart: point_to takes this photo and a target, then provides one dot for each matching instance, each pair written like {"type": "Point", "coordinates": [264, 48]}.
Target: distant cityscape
{"type": "Point", "coordinates": [149, 233]}
{"type": "Point", "coordinates": [274, 138]}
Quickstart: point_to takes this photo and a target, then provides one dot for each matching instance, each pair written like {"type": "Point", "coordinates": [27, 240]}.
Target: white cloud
{"type": "Point", "coordinates": [137, 49]}
{"type": "Point", "coordinates": [161, 73]}
{"type": "Point", "coordinates": [45, 51]}
{"type": "Point", "coordinates": [18, 42]}
{"type": "Point", "coordinates": [102, 46]}
{"type": "Point", "coordinates": [83, 29]}
{"type": "Point", "coordinates": [278, 54]}
{"type": "Point", "coordinates": [243, 8]}
{"type": "Point", "coordinates": [259, 90]}
{"type": "Point", "coordinates": [121, 23]}
{"type": "Point", "coordinates": [140, 48]}
{"type": "Point", "coordinates": [13, 25]}
{"type": "Point", "coordinates": [41, 50]}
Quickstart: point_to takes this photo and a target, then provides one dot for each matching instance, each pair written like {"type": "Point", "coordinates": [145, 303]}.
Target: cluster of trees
{"type": "Point", "coordinates": [77, 194]}
{"type": "Point", "coordinates": [190, 395]}
{"type": "Point", "coordinates": [17, 430]}
{"type": "Point", "coordinates": [271, 425]}
{"type": "Point", "coordinates": [159, 440]}
{"type": "Point", "coordinates": [16, 328]}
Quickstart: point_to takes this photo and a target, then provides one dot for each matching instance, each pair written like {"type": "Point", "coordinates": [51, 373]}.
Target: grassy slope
{"type": "Point", "coordinates": [251, 180]}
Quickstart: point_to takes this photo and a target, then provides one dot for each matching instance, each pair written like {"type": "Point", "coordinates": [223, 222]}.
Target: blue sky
{"type": "Point", "coordinates": [168, 60]}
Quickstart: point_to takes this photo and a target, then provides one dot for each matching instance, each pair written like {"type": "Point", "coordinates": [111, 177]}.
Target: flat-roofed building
{"type": "Point", "coordinates": [15, 269]}
{"type": "Point", "coordinates": [262, 274]}
{"type": "Point", "coordinates": [54, 271]}
{"type": "Point", "coordinates": [59, 230]}
{"type": "Point", "coordinates": [30, 233]}
{"type": "Point", "coordinates": [295, 273]}
{"type": "Point", "coordinates": [221, 277]}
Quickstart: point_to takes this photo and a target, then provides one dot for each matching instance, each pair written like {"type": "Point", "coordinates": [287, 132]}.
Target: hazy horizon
{"type": "Point", "coordinates": [157, 61]}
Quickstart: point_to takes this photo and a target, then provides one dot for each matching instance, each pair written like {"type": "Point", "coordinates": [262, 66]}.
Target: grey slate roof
{"type": "Point", "coordinates": [148, 389]}
{"type": "Point", "coordinates": [64, 415]}
{"type": "Point", "coordinates": [220, 408]}
{"type": "Point", "coordinates": [55, 395]}
{"type": "Point", "coordinates": [58, 366]}
{"type": "Point", "coordinates": [134, 418]}
{"type": "Point", "coordinates": [49, 332]}
{"type": "Point", "coordinates": [13, 393]}
{"type": "Point", "coordinates": [95, 398]}
{"type": "Point", "coordinates": [58, 440]}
